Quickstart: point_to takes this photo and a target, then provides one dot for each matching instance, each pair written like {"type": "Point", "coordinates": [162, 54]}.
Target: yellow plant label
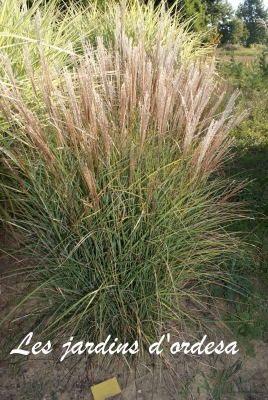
{"type": "Point", "coordinates": [106, 389]}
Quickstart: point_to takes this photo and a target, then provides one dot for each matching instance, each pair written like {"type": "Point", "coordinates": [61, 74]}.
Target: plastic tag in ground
{"type": "Point", "coordinates": [105, 389]}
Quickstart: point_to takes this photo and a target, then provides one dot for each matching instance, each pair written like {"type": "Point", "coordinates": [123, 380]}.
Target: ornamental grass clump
{"type": "Point", "coordinates": [109, 181]}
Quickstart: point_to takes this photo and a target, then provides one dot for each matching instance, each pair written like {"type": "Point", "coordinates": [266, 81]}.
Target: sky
{"type": "Point", "coordinates": [236, 2]}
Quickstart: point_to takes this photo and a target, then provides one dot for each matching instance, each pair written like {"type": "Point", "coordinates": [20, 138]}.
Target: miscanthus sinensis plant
{"type": "Point", "coordinates": [109, 181]}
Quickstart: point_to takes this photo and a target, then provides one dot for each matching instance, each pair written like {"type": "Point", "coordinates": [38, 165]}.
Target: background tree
{"type": "Point", "coordinates": [216, 10]}
{"type": "Point", "coordinates": [232, 31]}
{"type": "Point", "coordinates": [195, 8]}
{"type": "Point", "coordinates": [249, 12]}
{"type": "Point", "coordinates": [221, 17]}
{"type": "Point", "coordinates": [189, 9]}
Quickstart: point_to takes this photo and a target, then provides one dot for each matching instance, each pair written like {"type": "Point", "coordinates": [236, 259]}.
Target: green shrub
{"type": "Point", "coordinates": [263, 63]}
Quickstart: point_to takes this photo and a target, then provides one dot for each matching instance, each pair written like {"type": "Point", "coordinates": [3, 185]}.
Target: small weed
{"type": "Point", "coordinates": [251, 319]}
{"type": "Point", "coordinates": [221, 386]}
{"type": "Point", "coordinates": [218, 385]}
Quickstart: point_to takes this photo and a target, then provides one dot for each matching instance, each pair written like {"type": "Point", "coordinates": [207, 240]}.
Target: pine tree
{"type": "Point", "coordinates": [249, 12]}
